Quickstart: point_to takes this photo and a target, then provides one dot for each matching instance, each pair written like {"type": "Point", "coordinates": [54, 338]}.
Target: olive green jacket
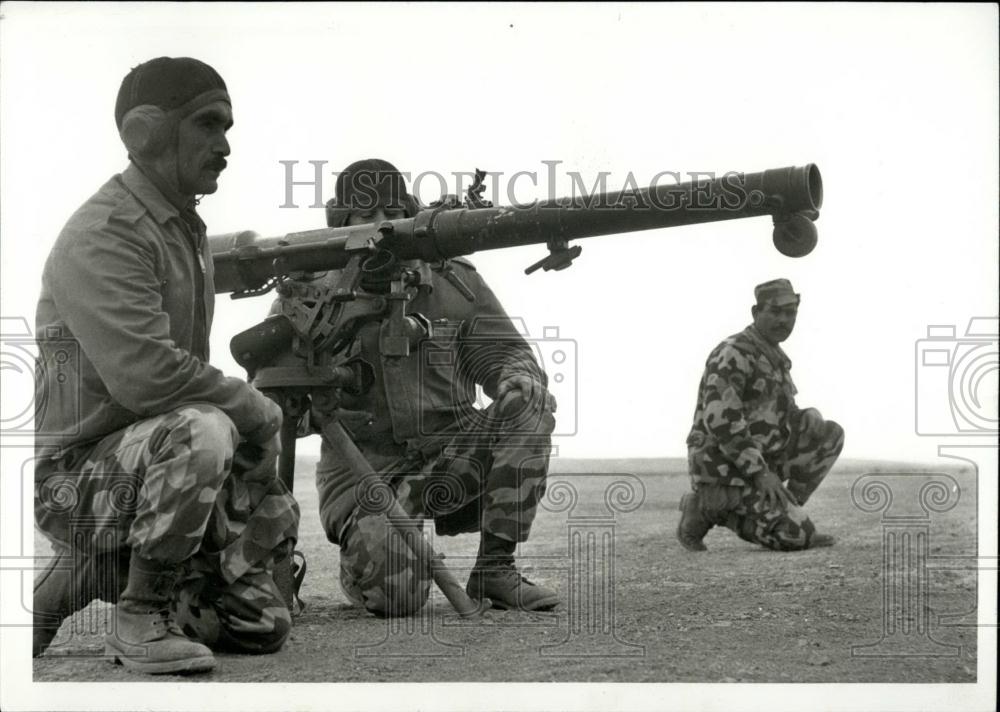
{"type": "Point", "coordinates": [123, 321]}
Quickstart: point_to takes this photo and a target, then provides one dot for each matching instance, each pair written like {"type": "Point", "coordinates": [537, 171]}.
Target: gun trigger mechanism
{"type": "Point", "coordinates": [560, 256]}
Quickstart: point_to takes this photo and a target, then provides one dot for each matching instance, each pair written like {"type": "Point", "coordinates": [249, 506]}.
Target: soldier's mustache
{"type": "Point", "coordinates": [218, 165]}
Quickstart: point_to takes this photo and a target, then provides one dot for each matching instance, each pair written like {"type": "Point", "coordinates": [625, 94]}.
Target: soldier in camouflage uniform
{"type": "Point", "coordinates": [755, 458]}
{"type": "Point", "coordinates": [136, 434]}
{"type": "Point", "coordinates": [469, 470]}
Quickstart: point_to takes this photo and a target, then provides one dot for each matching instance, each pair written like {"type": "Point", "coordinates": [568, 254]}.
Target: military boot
{"type": "Point", "coordinates": [693, 526]}
{"type": "Point", "coordinates": [69, 582]}
{"type": "Point", "coordinates": [507, 588]}
{"type": "Point", "coordinates": [146, 638]}
{"type": "Point", "coordinates": [495, 577]}
{"type": "Point", "coordinates": [818, 541]}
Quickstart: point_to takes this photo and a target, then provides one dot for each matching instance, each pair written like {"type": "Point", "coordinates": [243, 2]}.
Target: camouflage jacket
{"type": "Point", "coordinates": [123, 322]}
{"type": "Point", "coordinates": [417, 403]}
{"type": "Point", "coordinates": [746, 401]}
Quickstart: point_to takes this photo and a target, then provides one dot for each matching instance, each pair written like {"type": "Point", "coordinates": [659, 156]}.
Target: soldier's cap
{"type": "Point", "coordinates": [777, 291]}
{"type": "Point", "coordinates": [368, 184]}
{"type": "Point", "coordinates": [170, 83]}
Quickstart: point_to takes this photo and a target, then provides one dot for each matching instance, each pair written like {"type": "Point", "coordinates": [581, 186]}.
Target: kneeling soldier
{"type": "Point", "coordinates": [755, 458]}
{"type": "Point", "coordinates": [468, 470]}
{"type": "Point", "coordinates": [137, 435]}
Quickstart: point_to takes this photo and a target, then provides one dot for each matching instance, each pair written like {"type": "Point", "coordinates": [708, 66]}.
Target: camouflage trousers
{"type": "Point", "coordinates": [486, 479]}
{"type": "Point", "coordinates": [162, 487]}
{"type": "Point", "coordinates": [801, 467]}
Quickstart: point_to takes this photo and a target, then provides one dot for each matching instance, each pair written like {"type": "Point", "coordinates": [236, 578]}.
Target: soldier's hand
{"type": "Point", "coordinates": [774, 492]}
{"type": "Point", "coordinates": [811, 423]}
{"type": "Point", "coordinates": [258, 463]}
{"type": "Point", "coordinates": [530, 389]}
{"type": "Point", "coordinates": [270, 422]}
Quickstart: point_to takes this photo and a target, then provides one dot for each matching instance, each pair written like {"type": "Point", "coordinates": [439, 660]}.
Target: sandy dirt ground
{"type": "Point", "coordinates": [639, 608]}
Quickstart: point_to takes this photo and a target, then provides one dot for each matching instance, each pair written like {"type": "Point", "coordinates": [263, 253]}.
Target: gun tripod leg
{"type": "Point", "coordinates": [442, 575]}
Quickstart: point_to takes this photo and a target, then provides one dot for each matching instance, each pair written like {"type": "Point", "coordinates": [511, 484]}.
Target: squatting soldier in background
{"type": "Point", "coordinates": [136, 433]}
{"type": "Point", "coordinates": [469, 470]}
{"type": "Point", "coordinates": [754, 457]}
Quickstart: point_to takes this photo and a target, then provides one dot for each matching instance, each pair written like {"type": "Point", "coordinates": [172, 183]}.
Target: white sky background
{"type": "Point", "coordinates": [896, 104]}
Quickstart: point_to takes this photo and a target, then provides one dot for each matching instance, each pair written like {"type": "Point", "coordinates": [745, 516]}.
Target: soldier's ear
{"type": "Point", "coordinates": [336, 216]}
{"type": "Point", "coordinates": [753, 311]}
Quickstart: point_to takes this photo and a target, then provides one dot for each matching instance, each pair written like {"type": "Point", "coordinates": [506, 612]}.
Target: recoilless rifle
{"type": "Point", "coordinates": [297, 356]}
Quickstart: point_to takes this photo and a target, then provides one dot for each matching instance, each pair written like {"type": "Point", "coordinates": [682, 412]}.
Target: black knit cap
{"type": "Point", "coordinates": [371, 182]}
{"type": "Point", "coordinates": [166, 82]}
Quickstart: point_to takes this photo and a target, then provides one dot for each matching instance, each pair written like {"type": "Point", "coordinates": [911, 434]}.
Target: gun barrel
{"type": "Point", "coordinates": [244, 260]}
{"type": "Point", "coordinates": [733, 196]}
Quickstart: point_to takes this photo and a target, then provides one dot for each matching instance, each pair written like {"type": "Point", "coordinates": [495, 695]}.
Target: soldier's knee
{"type": "Point", "coordinates": [197, 620]}
{"type": "Point", "coordinates": [211, 427]}
{"type": "Point", "coordinates": [785, 545]}
{"type": "Point", "coordinates": [835, 436]}
{"type": "Point", "coordinates": [379, 571]}
{"type": "Point", "coordinates": [402, 593]}
{"type": "Point", "coordinates": [213, 438]}
{"type": "Point", "coordinates": [788, 539]}
{"type": "Point", "coordinates": [406, 594]}
{"type": "Point", "coordinates": [790, 534]}
{"type": "Point", "coordinates": [259, 642]}
{"type": "Point", "coordinates": [227, 623]}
